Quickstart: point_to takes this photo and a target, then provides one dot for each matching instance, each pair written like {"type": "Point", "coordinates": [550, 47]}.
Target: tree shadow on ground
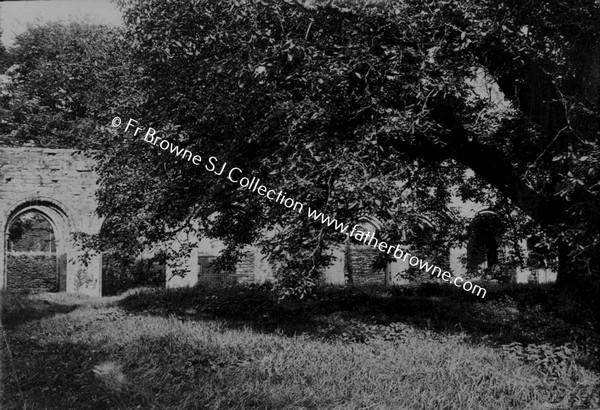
{"type": "Point", "coordinates": [236, 306]}
{"type": "Point", "coordinates": [56, 376]}
{"type": "Point", "coordinates": [17, 308]}
{"type": "Point", "coordinates": [522, 314]}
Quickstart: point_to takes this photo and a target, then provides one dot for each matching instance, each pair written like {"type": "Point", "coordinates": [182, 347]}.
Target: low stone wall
{"type": "Point", "coordinates": [360, 260]}
{"type": "Point", "coordinates": [32, 271]}
{"type": "Point", "coordinates": [245, 269]}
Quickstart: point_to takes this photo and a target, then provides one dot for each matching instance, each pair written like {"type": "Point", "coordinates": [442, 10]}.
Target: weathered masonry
{"type": "Point", "coordinates": [51, 194]}
{"type": "Point", "coordinates": [57, 185]}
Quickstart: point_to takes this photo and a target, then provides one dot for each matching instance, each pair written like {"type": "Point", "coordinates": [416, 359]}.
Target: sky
{"type": "Point", "coordinates": [16, 15]}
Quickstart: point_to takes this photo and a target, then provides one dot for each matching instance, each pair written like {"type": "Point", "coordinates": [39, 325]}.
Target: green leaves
{"type": "Point", "coordinates": [358, 111]}
{"type": "Point", "coordinates": [65, 81]}
{"type": "Point", "coordinates": [337, 104]}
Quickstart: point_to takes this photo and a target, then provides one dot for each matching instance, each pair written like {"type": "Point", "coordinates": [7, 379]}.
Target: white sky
{"type": "Point", "coordinates": [15, 15]}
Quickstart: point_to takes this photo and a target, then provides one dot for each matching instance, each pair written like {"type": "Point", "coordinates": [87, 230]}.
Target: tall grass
{"type": "Point", "coordinates": [98, 355]}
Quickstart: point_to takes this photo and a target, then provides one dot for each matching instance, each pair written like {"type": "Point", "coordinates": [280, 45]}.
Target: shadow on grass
{"type": "Point", "coordinates": [237, 306]}
{"type": "Point", "coordinates": [18, 308]}
{"type": "Point", "coordinates": [57, 373]}
{"type": "Point", "coordinates": [154, 371]}
{"type": "Point", "coordinates": [523, 314]}
{"type": "Point", "coordinates": [44, 375]}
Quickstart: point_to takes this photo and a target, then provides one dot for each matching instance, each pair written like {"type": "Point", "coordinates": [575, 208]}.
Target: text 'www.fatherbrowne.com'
{"type": "Point", "coordinates": [236, 175]}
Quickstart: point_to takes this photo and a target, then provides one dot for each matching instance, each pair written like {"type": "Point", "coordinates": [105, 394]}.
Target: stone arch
{"type": "Point", "coordinates": [52, 210]}
{"type": "Point", "coordinates": [370, 223]}
{"type": "Point", "coordinates": [483, 209]}
{"type": "Point", "coordinates": [73, 275]}
{"type": "Point", "coordinates": [59, 219]}
{"type": "Point", "coordinates": [59, 185]}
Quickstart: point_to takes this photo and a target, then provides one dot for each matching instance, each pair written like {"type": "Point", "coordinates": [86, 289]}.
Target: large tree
{"type": "Point", "coordinates": [356, 109]}
{"type": "Point", "coordinates": [338, 103]}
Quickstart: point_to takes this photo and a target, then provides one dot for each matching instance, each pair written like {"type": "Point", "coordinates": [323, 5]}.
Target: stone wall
{"type": "Point", "coordinates": [245, 269]}
{"type": "Point", "coordinates": [32, 271]}
{"type": "Point", "coordinates": [59, 174]}
{"type": "Point", "coordinates": [60, 185]}
{"type": "Point", "coordinates": [359, 263]}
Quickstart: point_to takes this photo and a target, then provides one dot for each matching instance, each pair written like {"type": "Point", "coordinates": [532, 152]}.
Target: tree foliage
{"type": "Point", "coordinates": [65, 80]}
{"type": "Point", "coordinates": [337, 104]}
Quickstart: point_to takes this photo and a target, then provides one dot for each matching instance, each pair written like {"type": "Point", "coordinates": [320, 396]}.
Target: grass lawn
{"type": "Point", "coordinates": [233, 348]}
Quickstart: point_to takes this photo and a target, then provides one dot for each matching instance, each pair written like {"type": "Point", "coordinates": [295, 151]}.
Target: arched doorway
{"type": "Point", "coordinates": [35, 245]}
{"type": "Point", "coordinates": [59, 185]}
{"type": "Point", "coordinates": [484, 247]}
{"type": "Point", "coordinates": [31, 258]}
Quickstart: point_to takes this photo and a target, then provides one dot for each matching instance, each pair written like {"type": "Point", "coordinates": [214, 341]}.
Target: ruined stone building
{"type": "Point", "coordinates": [54, 190]}
{"type": "Point", "coordinates": [47, 194]}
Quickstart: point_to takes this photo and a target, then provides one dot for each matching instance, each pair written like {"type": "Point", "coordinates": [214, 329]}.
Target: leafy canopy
{"type": "Point", "coordinates": [337, 104]}
{"type": "Point", "coordinates": [354, 109]}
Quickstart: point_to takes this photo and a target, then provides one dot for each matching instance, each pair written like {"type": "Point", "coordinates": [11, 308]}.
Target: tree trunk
{"type": "Point", "coordinates": [563, 267]}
